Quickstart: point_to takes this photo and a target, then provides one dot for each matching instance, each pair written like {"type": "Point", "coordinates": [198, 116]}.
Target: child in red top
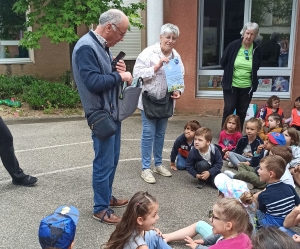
{"type": "Point", "coordinates": [230, 134]}
{"type": "Point", "coordinates": [272, 106]}
{"type": "Point", "coordinates": [295, 117]}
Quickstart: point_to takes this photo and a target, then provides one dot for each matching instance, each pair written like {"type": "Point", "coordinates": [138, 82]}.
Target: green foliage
{"type": "Point", "coordinates": [45, 95]}
{"type": "Point", "coordinates": [11, 87]}
{"type": "Point", "coordinates": [58, 19]}
{"type": "Point", "coordinates": [281, 9]}
{"type": "Point", "coordinates": [39, 94]}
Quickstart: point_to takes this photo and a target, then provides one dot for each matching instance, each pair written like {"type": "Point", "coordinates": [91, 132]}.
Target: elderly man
{"type": "Point", "coordinates": [97, 83]}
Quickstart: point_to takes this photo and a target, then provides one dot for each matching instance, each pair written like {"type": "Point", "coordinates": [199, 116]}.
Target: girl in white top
{"type": "Point", "coordinates": [136, 228]}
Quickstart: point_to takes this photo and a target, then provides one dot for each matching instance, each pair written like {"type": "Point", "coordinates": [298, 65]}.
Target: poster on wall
{"type": "Point", "coordinates": [280, 84]}
{"type": "Point", "coordinates": [264, 85]}
{"type": "Point", "coordinates": [273, 84]}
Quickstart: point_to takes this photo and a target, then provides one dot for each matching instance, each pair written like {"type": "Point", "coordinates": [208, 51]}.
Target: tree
{"type": "Point", "coordinates": [58, 19]}
{"type": "Point", "coordinates": [10, 23]}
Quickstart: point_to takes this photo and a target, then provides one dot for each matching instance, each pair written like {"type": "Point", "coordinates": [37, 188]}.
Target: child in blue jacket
{"type": "Point", "coordinates": [183, 144]}
{"type": "Point", "coordinates": [204, 161]}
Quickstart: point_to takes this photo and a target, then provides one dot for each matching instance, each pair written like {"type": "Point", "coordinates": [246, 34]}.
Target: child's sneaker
{"type": "Point", "coordinates": [162, 171]}
{"type": "Point", "coordinates": [229, 173]}
{"type": "Point", "coordinates": [201, 184]}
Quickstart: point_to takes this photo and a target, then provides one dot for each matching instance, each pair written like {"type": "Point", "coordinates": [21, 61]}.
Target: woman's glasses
{"type": "Point", "coordinates": [246, 54]}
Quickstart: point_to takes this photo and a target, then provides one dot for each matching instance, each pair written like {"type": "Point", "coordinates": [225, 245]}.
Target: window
{"type": "Point", "coordinates": [11, 31]}
{"type": "Point", "coordinates": [221, 22]}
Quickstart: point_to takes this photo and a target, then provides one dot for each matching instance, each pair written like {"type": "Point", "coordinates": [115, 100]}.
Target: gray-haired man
{"type": "Point", "coordinates": [97, 83]}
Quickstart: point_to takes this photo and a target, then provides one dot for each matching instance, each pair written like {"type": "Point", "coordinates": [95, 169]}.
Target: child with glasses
{"type": "Point", "coordinates": [228, 188]}
{"type": "Point", "coordinates": [230, 223]}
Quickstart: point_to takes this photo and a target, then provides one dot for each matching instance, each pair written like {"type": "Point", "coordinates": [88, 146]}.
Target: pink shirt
{"type": "Point", "coordinates": [229, 140]}
{"type": "Point", "coordinates": [241, 241]}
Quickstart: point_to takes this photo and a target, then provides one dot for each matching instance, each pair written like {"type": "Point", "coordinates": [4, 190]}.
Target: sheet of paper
{"type": "Point", "coordinates": [174, 75]}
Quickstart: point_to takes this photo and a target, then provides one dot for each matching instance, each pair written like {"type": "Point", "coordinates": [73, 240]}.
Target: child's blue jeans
{"type": "Point", "coordinates": [180, 162]}
{"type": "Point", "coordinates": [154, 241]}
{"type": "Point", "coordinates": [269, 220]}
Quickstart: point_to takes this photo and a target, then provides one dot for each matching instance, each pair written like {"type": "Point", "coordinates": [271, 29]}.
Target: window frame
{"type": "Point", "coordinates": [263, 71]}
{"type": "Point", "coordinates": [30, 59]}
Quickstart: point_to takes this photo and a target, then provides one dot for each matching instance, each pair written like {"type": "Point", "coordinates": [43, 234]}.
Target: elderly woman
{"type": "Point", "coordinates": [150, 66]}
{"type": "Point", "coordinates": [240, 61]}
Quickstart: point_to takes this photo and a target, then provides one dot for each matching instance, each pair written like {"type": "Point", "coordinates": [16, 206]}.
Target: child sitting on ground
{"type": "Point", "coordinates": [230, 134]}
{"type": "Point", "coordinates": [136, 228]}
{"type": "Point", "coordinates": [183, 145]}
{"type": "Point", "coordinates": [272, 107]}
{"type": "Point", "coordinates": [246, 146]}
{"type": "Point", "coordinates": [229, 219]}
{"type": "Point", "coordinates": [278, 199]}
{"type": "Point", "coordinates": [274, 145]}
{"type": "Point", "coordinates": [204, 161]}
{"type": "Point", "coordinates": [228, 188]}
{"type": "Point", "coordinates": [292, 140]}
{"type": "Point", "coordinates": [275, 125]}
{"type": "Point", "coordinates": [58, 229]}
{"type": "Point", "coordinates": [295, 116]}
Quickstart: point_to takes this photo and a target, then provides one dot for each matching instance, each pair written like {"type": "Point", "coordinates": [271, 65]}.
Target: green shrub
{"type": "Point", "coordinates": [41, 95]}
{"type": "Point", "coordinates": [11, 87]}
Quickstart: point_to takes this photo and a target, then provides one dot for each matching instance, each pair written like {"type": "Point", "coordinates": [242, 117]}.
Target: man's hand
{"type": "Point", "coordinates": [190, 242]}
{"type": "Point", "coordinates": [121, 66]}
{"type": "Point", "coordinates": [126, 76]}
{"type": "Point", "coordinates": [176, 95]}
{"type": "Point", "coordinates": [173, 166]}
{"type": "Point", "coordinates": [205, 175]}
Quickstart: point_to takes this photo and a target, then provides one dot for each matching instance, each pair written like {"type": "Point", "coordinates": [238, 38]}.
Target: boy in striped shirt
{"type": "Point", "coordinates": [278, 199]}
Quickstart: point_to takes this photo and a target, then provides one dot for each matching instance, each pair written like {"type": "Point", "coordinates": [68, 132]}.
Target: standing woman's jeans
{"type": "Point", "coordinates": [236, 99]}
{"type": "Point", "coordinates": [153, 136]}
{"type": "Point", "coordinates": [7, 153]}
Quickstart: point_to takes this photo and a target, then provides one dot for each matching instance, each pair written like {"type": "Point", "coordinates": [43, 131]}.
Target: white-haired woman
{"type": "Point", "coordinates": [240, 61]}
{"type": "Point", "coordinates": [149, 65]}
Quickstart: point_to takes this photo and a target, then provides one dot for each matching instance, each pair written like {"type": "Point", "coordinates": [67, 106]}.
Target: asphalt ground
{"type": "Point", "coordinates": [59, 152]}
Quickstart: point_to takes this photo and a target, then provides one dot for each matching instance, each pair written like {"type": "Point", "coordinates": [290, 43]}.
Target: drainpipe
{"type": "Point", "coordinates": [154, 20]}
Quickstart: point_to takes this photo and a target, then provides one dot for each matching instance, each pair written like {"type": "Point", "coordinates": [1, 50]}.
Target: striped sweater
{"type": "Point", "coordinates": [278, 199]}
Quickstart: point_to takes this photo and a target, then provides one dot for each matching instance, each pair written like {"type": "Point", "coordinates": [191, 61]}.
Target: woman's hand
{"type": "Point", "coordinates": [176, 95]}
{"type": "Point", "coordinates": [161, 63]}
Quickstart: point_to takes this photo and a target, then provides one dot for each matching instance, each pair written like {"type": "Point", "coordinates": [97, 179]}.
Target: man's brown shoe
{"type": "Point", "coordinates": [117, 203]}
{"type": "Point", "coordinates": [107, 216]}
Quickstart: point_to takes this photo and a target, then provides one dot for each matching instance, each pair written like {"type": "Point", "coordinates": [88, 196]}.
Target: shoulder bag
{"type": "Point", "coordinates": [129, 98]}
{"type": "Point", "coordinates": [157, 108]}
{"type": "Point", "coordinates": [102, 123]}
